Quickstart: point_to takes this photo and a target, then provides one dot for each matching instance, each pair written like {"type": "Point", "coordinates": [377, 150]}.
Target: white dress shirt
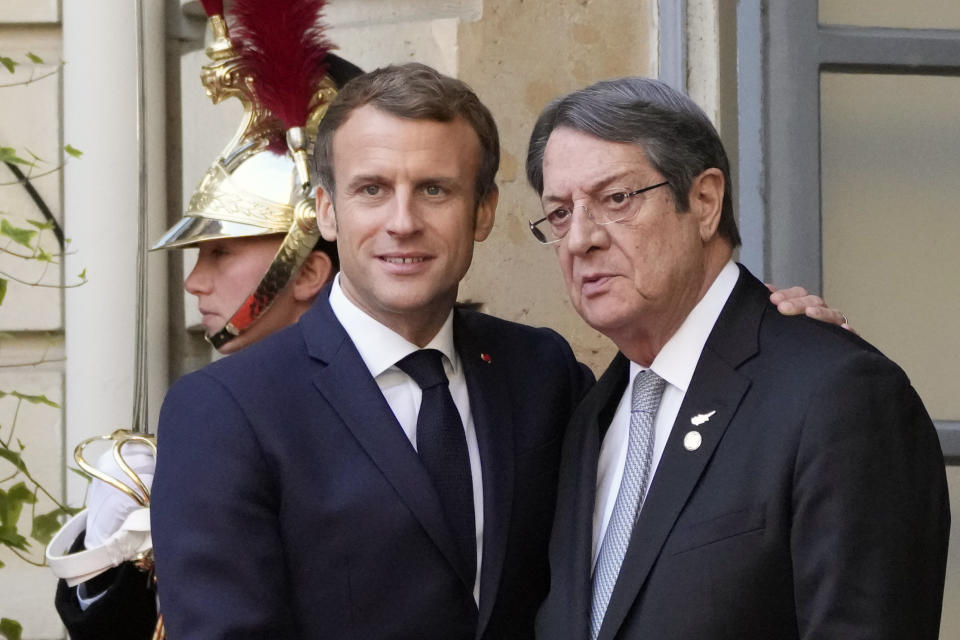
{"type": "Point", "coordinates": [675, 363]}
{"type": "Point", "coordinates": [381, 348]}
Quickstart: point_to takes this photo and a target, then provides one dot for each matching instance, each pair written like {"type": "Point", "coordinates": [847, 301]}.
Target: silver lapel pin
{"type": "Point", "coordinates": [701, 418]}
{"type": "Point", "coordinates": [692, 441]}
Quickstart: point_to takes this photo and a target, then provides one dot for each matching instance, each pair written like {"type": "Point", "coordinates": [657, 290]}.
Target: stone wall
{"type": "Point", "coordinates": [518, 57]}
{"type": "Point", "coordinates": [31, 318]}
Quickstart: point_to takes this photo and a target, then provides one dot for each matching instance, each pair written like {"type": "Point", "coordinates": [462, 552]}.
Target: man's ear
{"type": "Point", "coordinates": [706, 201]}
{"type": "Point", "coordinates": [326, 216]}
{"type": "Point", "coordinates": [486, 213]}
{"type": "Point", "coordinates": [315, 272]}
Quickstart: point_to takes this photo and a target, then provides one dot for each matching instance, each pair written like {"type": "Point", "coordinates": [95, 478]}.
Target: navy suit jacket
{"type": "Point", "coordinates": [288, 503]}
{"type": "Point", "coordinates": [816, 506]}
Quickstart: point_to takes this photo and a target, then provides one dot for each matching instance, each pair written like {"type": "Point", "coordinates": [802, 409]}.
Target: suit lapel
{"type": "Point", "coordinates": [677, 474]}
{"type": "Point", "coordinates": [348, 387]}
{"type": "Point", "coordinates": [716, 386]}
{"type": "Point", "coordinates": [488, 385]}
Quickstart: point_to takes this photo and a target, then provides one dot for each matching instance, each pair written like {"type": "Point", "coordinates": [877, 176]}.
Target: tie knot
{"type": "Point", "coordinates": [647, 389]}
{"type": "Point", "coordinates": [425, 367]}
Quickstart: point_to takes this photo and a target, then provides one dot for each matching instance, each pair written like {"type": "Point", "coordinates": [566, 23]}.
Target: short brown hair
{"type": "Point", "coordinates": [417, 92]}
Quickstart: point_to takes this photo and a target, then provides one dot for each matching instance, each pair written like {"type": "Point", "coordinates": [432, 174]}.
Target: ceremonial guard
{"type": "Point", "coordinates": [247, 217]}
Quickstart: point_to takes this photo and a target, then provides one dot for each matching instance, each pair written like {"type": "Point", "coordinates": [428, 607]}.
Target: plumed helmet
{"type": "Point", "coordinates": [278, 64]}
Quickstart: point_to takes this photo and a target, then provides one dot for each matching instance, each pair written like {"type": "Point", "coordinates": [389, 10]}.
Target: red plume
{"type": "Point", "coordinates": [284, 49]}
{"type": "Point", "coordinates": [213, 7]}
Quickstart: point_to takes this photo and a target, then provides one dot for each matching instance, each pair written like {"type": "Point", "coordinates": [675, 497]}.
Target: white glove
{"type": "Point", "coordinates": [107, 508]}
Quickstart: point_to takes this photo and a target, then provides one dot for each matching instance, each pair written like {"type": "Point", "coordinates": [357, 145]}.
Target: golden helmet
{"type": "Point", "coordinates": [259, 184]}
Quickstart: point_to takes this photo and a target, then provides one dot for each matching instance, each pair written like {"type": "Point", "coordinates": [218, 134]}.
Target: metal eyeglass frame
{"type": "Point", "coordinates": [542, 238]}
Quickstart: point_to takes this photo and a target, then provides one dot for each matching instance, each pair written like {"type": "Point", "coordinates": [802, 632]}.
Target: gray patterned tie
{"type": "Point", "coordinates": [647, 390]}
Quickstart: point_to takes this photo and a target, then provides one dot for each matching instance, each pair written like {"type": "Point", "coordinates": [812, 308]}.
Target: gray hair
{"type": "Point", "coordinates": [676, 136]}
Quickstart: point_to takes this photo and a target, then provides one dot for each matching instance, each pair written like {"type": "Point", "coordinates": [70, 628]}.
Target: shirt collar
{"type": "Point", "coordinates": [381, 347]}
{"type": "Point", "coordinates": [678, 358]}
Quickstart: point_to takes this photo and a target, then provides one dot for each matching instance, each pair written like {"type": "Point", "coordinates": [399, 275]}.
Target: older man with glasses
{"type": "Point", "coordinates": [735, 473]}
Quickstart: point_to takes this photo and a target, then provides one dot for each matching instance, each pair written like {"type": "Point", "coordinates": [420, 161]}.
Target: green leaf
{"type": "Point", "coordinates": [80, 472]}
{"type": "Point", "coordinates": [45, 527]}
{"type": "Point", "coordinates": [18, 235]}
{"type": "Point", "coordinates": [34, 58]}
{"type": "Point", "coordinates": [9, 63]}
{"type": "Point", "coordinates": [13, 458]}
{"type": "Point", "coordinates": [11, 506]}
{"type": "Point", "coordinates": [10, 538]}
{"type": "Point", "coordinates": [33, 155]}
{"type": "Point", "coordinates": [20, 444]}
{"type": "Point", "coordinates": [9, 154]}
{"type": "Point", "coordinates": [1, 564]}
{"type": "Point", "coordinates": [10, 629]}
{"type": "Point", "coordinates": [43, 226]}
{"type": "Point", "coordinates": [43, 256]}
{"type": "Point", "coordinates": [20, 493]}
{"type": "Point", "coordinates": [73, 151]}
{"type": "Point", "coordinates": [3, 289]}
{"type": "Point", "coordinates": [47, 524]}
{"type": "Point", "coordinates": [83, 274]}
{"type": "Point", "coordinates": [35, 399]}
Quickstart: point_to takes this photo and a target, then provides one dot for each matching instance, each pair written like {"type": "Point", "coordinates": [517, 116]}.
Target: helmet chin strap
{"type": "Point", "coordinates": [296, 246]}
{"type": "Point", "coordinates": [245, 316]}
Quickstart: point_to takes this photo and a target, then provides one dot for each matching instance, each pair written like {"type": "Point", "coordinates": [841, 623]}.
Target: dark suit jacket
{"type": "Point", "coordinates": [816, 506]}
{"type": "Point", "coordinates": [126, 610]}
{"type": "Point", "coordinates": [288, 503]}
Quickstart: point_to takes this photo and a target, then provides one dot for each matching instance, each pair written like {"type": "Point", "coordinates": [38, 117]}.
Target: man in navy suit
{"type": "Point", "coordinates": [735, 474]}
{"type": "Point", "coordinates": [290, 498]}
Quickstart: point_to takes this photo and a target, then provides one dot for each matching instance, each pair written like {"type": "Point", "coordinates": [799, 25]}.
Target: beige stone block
{"type": "Point", "coordinates": [30, 123]}
{"type": "Point", "coordinates": [27, 353]}
{"type": "Point", "coordinates": [518, 57]}
{"type": "Point", "coordinates": [37, 426]}
{"type": "Point", "coordinates": [432, 42]}
{"type": "Point", "coordinates": [30, 11]}
{"type": "Point", "coordinates": [28, 598]}
{"type": "Point", "coordinates": [28, 590]}
{"type": "Point", "coordinates": [351, 13]}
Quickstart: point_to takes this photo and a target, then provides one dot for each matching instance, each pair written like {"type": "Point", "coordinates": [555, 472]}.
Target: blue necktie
{"type": "Point", "coordinates": [647, 390]}
{"type": "Point", "coordinates": [442, 447]}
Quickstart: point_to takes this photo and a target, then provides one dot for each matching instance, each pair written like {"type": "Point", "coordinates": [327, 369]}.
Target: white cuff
{"type": "Point", "coordinates": [132, 539]}
{"type": "Point", "coordinates": [86, 602]}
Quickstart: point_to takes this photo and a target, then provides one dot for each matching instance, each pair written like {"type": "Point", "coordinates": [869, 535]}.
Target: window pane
{"type": "Point", "coordinates": [917, 14]}
{"type": "Point", "coordinates": [891, 230]}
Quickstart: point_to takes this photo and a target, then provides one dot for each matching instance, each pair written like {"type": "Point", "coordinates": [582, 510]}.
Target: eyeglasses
{"type": "Point", "coordinates": [619, 205]}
